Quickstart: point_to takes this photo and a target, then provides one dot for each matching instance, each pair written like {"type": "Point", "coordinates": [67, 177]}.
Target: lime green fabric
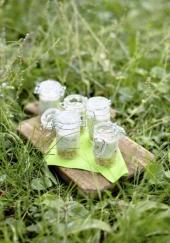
{"type": "Point", "coordinates": [85, 160]}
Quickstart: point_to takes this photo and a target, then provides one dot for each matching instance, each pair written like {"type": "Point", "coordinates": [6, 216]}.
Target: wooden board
{"type": "Point", "coordinates": [32, 108]}
{"type": "Point", "coordinates": [136, 157]}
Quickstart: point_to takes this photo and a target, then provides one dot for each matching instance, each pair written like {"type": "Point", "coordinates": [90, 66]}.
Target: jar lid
{"type": "Point", "coordinates": [68, 120]}
{"type": "Point", "coordinates": [75, 101]}
{"type": "Point", "coordinates": [98, 103]}
{"type": "Point", "coordinates": [108, 131]}
{"type": "Point", "coordinates": [48, 118]}
{"type": "Point", "coordinates": [99, 114]}
{"type": "Point", "coordinates": [50, 88]}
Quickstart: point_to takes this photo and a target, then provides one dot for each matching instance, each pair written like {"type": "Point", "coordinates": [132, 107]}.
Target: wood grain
{"type": "Point", "coordinates": [32, 108]}
{"type": "Point", "coordinates": [136, 157]}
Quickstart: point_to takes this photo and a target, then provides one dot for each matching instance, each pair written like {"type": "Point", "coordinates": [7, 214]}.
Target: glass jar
{"type": "Point", "coordinates": [105, 142]}
{"type": "Point", "coordinates": [48, 118]}
{"type": "Point", "coordinates": [68, 134]}
{"type": "Point", "coordinates": [98, 110]}
{"type": "Point", "coordinates": [77, 103]}
{"type": "Point", "coordinates": [50, 94]}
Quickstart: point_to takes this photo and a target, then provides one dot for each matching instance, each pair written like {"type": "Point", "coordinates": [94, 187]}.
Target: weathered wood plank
{"type": "Point", "coordinates": [41, 139]}
{"type": "Point", "coordinates": [32, 108]}
{"type": "Point", "coordinates": [136, 157]}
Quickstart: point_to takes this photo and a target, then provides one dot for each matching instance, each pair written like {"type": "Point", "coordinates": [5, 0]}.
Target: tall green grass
{"type": "Point", "coordinates": [119, 49]}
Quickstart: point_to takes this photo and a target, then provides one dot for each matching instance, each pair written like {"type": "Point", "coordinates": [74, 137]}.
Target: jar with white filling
{"type": "Point", "coordinates": [48, 118]}
{"type": "Point", "coordinates": [98, 110]}
{"type": "Point", "coordinates": [77, 103]}
{"type": "Point", "coordinates": [50, 94]}
{"type": "Point", "coordinates": [68, 134]}
{"type": "Point", "coordinates": [105, 142]}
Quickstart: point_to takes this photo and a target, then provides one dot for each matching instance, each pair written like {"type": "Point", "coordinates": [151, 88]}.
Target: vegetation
{"type": "Point", "coordinates": [119, 49]}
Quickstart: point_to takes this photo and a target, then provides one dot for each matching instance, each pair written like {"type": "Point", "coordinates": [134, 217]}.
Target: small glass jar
{"type": "Point", "coordinates": [105, 142]}
{"type": "Point", "coordinates": [50, 94]}
{"type": "Point", "coordinates": [77, 103]}
{"type": "Point", "coordinates": [68, 134]}
{"type": "Point", "coordinates": [98, 110]}
{"type": "Point", "coordinates": [48, 118]}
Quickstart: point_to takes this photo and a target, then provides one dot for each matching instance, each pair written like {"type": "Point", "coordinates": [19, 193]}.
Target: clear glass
{"type": "Point", "coordinates": [68, 134]}
{"type": "Point", "coordinates": [48, 118]}
{"type": "Point", "coordinates": [98, 110]}
{"type": "Point", "coordinates": [105, 142]}
{"type": "Point", "coordinates": [77, 103]}
{"type": "Point", "coordinates": [50, 94]}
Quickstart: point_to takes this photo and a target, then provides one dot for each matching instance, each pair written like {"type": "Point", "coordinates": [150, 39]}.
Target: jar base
{"type": "Point", "coordinates": [105, 162]}
{"type": "Point", "coordinates": [82, 130]}
{"type": "Point", "coordinates": [71, 154]}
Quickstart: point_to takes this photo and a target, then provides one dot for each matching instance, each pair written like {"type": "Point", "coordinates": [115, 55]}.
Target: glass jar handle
{"type": "Point", "coordinates": [103, 147]}
{"type": "Point", "coordinates": [37, 89]}
{"type": "Point", "coordinates": [91, 114]}
{"type": "Point", "coordinates": [61, 106]}
{"type": "Point", "coordinates": [62, 91]}
{"type": "Point", "coordinates": [48, 118]}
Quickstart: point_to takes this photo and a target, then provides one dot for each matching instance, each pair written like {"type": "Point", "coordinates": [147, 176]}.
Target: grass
{"type": "Point", "coordinates": [120, 49]}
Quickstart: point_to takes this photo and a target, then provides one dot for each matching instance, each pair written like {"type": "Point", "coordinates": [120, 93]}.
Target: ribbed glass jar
{"type": "Point", "coordinates": [98, 110]}
{"type": "Point", "coordinates": [105, 142]}
{"type": "Point", "coordinates": [77, 103]}
{"type": "Point", "coordinates": [50, 94]}
{"type": "Point", "coordinates": [68, 134]}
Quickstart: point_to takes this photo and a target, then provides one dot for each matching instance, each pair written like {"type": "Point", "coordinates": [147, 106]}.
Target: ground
{"type": "Point", "coordinates": [119, 49]}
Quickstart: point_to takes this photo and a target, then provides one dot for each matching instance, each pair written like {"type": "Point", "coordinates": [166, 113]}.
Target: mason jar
{"type": "Point", "coordinates": [105, 142]}
{"type": "Point", "coordinates": [77, 103]}
{"type": "Point", "coordinates": [48, 118]}
{"type": "Point", "coordinates": [68, 134]}
{"type": "Point", "coordinates": [50, 94]}
{"type": "Point", "coordinates": [98, 110]}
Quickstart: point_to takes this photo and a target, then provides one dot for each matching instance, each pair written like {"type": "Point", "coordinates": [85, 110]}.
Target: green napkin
{"type": "Point", "coordinates": [85, 160]}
